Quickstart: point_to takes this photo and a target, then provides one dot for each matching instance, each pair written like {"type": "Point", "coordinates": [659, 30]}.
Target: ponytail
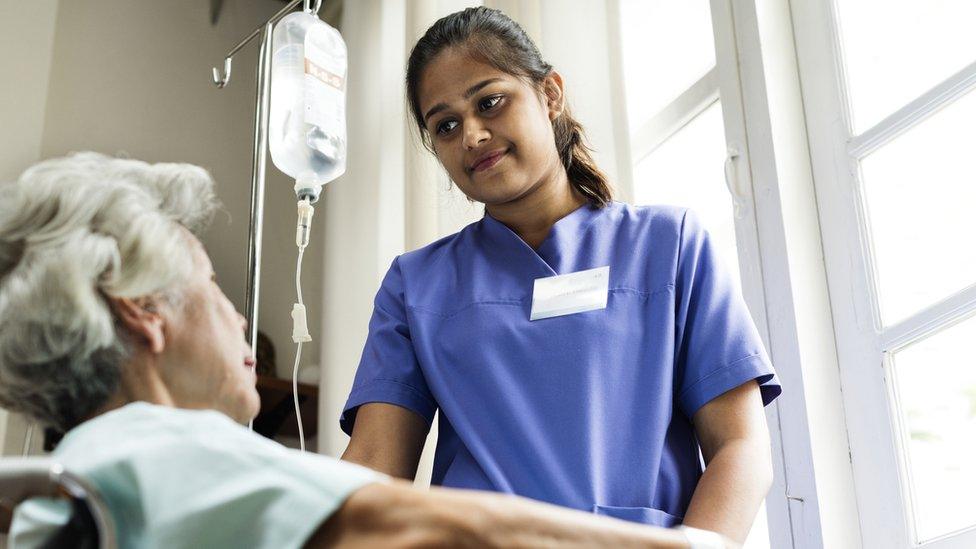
{"type": "Point", "coordinates": [581, 170]}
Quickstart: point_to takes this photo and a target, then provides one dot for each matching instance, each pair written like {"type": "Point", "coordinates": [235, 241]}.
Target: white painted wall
{"type": "Point", "coordinates": [26, 40]}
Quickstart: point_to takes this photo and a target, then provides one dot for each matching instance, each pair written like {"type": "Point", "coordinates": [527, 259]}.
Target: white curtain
{"type": "Point", "coordinates": [395, 196]}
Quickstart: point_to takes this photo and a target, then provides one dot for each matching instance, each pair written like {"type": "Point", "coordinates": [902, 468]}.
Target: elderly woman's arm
{"type": "Point", "coordinates": [397, 515]}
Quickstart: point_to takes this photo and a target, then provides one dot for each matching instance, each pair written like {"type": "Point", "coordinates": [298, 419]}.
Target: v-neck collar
{"type": "Point", "coordinates": [558, 246]}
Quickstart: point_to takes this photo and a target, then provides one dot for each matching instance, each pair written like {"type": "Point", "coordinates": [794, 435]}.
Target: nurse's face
{"type": "Point", "coordinates": [490, 130]}
{"type": "Point", "coordinates": [208, 362]}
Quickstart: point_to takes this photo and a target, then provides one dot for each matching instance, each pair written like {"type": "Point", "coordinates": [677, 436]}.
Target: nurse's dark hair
{"type": "Point", "coordinates": [491, 37]}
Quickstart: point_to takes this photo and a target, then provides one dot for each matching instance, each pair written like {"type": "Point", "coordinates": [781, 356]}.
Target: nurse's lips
{"type": "Point", "coordinates": [488, 160]}
{"type": "Point", "coordinates": [249, 362]}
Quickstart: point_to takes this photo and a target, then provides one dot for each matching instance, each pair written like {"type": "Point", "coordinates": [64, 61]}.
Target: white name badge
{"type": "Point", "coordinates": [570, 293]}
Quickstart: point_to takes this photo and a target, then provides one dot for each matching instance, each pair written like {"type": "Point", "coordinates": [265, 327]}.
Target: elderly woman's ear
{"type": "Point", "coordinates": [141, 318]}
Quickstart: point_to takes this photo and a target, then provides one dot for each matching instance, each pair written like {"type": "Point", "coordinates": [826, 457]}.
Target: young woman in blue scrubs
{"type": "Point", "coordinates": [602, 409]}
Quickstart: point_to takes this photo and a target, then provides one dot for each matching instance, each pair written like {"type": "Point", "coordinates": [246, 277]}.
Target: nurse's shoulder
{"type": "Point", "coordinates": [427, 274]}
{"type": "Point", "coordinates": [660, 228]}
{"type": "Point", "coordinates": [658, 220]}
{"type": "Point", "coordinates": [431, 256]}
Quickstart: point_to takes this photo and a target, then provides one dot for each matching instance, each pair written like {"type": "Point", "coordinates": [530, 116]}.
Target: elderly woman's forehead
{"type": "Point", "coordinates": [200, 252]}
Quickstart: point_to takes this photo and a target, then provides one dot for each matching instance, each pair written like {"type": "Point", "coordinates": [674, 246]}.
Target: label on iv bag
{"type": "Point", "coordinates": [325, 84]}
{"type": "Point", "coordinates": [570, 293]}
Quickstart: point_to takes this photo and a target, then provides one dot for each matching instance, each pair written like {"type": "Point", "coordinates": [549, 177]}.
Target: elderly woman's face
{"type": "Point", "coordinates": [209, 363]}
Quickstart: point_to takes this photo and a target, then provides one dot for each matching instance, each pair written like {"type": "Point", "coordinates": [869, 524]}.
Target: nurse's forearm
{"type": "Point", "coordinates": [731, 489]}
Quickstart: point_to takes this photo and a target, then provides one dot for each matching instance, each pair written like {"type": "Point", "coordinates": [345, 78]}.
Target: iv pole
{"type": "Point", "coordinates": [252, 284]}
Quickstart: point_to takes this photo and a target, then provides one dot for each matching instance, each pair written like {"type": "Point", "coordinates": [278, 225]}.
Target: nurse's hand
{"type": "Point", "coordinates": [388, 439]}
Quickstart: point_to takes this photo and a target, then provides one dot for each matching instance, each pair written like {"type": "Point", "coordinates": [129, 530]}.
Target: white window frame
{"type": "Point", "coordinates": [874, 433]}
{"type": "Point", "coordinates": [792, 512]}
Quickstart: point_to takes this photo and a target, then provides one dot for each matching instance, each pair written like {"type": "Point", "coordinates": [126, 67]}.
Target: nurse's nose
{"type": "Point", "coordinates": [475, 134]}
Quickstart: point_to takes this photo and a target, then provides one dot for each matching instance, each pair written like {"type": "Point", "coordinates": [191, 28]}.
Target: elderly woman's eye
{"type": "Point", "coordinates": [489, 103]}
{"type": "Point", "coordinates": [446, 126]}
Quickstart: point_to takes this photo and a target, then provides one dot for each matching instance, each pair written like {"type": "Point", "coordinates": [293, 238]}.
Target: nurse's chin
{"type": "Point", "coordinates": [495, 199]}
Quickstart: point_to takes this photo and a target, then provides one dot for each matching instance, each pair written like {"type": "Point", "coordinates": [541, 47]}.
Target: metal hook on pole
{"type": "Point", "coordinates": [221, 79]}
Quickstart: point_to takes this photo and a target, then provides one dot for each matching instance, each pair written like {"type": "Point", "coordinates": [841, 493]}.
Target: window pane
{"type": "Point", "coordinates": [759, 534]}
{"type": "Point", "coordinates": [936, 385]}
{"type": "Point", "coordinates": [896, 50]}
{"type": "Point", "coordinates": [920, 191]}
{"type": "Point", "coordinates": [667, 47]}
{"type": "Point", "coordinates": [689, 170]}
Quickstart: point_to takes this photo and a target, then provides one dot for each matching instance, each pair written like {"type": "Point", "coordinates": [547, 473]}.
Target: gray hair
{"type": "Point", "coordinates": [75, 231]}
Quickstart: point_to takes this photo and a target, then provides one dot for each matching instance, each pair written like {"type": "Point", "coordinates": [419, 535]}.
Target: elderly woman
{"type": "Point", "coordinates": [113, 328]}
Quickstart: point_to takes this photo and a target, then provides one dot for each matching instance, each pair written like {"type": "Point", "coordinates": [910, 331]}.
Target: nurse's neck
{"type": "Point", "coordinates": [532, 216]}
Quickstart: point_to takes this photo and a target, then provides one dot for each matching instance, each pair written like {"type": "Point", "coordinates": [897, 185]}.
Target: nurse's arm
{"type": "Point", "coordinates": [397, 515]}
{"type": "Point", "coordinates": [387, 438]}
{"type": "Point", "coordinates": [738, 468]}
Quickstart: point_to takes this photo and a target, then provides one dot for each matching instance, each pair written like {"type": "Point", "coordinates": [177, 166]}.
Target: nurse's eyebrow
{"type": "Point", "coordinates": [467, 95]}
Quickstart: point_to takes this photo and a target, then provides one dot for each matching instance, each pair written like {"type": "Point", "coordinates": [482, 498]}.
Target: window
{"type": "Point", "coordinates": [897, 196]}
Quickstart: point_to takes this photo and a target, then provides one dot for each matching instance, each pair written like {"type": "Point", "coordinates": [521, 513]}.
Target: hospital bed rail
{"type": "Point", "coordinates": [24, 478]}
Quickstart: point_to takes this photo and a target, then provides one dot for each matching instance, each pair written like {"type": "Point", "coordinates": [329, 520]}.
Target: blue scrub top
{"type": "Point", "coordinates": [589, 410]}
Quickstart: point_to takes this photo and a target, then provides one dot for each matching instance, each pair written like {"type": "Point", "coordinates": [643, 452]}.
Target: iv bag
{"type": "Point", "coordinates": [307, 122]}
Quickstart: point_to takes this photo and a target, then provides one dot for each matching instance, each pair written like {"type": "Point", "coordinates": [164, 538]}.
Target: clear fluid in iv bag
{"type": "Point", "coordinates": [307, 122]}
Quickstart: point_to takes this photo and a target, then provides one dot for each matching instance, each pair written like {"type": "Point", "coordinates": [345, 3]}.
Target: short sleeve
{"type": "Point", "coordinates": [388, 370]}
{"type": "Point", "coordinates": [717, 345]}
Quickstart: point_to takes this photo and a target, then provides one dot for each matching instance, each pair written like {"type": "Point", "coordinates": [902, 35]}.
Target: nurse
{"type": "Point", "coordinates": [580, 350]}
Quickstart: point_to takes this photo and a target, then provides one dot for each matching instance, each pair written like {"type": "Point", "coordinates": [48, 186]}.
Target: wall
{"type": "Point", "coordinates": [26, 40]}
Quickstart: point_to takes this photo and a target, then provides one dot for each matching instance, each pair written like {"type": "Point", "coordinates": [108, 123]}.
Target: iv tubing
{"type": "Point", "coordinates": [298, 353]}
{"type": "Point", "coordinates": [305, 213]}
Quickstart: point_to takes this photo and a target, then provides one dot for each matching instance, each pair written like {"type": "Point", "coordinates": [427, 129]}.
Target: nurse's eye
{"type": "Point", "coordinates": [446, 126]}
{"type": "Point", "coordinates": [489, 103]}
